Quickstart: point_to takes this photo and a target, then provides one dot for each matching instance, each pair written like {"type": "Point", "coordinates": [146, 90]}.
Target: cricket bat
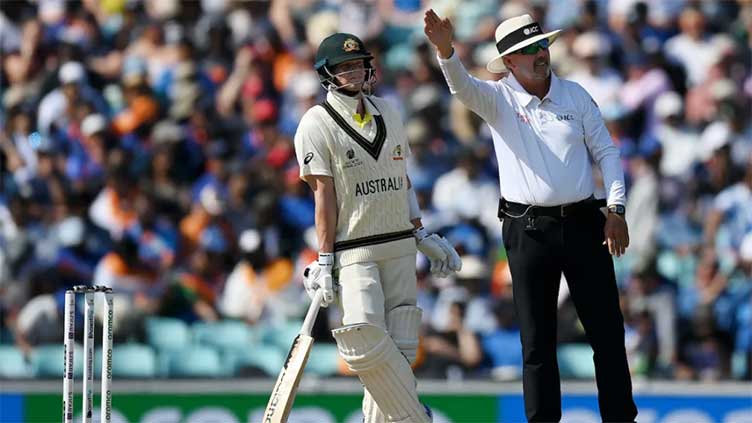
{"type": "Point", "coordinates": [283, 394]}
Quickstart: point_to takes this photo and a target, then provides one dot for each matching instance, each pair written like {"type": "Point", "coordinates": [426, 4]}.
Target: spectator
{"type": "Point", "coordinates": [599, 79]}
{"type": "Point", "coordinates": [693, 48]}
{"type": "Point", "coordinates": [679, 143]}
{"type": "Point", "coordinates": [452, 351]}
{"type": "Point", "coordinates": [257, 286]}
{"type": "Point", "coordinates": [737, 129]}
{"type": "Point", "coordinates": [19, 146]}
{"type": "Point", "coordinates": [645, 81]}
{"type": "Point", "coordinates": [642, 204]}
{"type": "Point", "coordinates": [707, 99]}
{"type": "Point", "coordinates": [140, 112]}
{"type": "Point", "coordinates": [56, 108]}
{"type": "Point", "coordinates": [135, 284]}
{"type": "Point", "coordinates": [193, 292]}
{"type": "Point", "coordinates": [506, 363]}
{"type": "Point", "coordinates": [652, 312]}
{"type": "Point", "coordinates": [465, 193]}
{"type": "Point", "coordinates": [88, 153]}
{"type": "Point", "coordinates": [640, 339]}
{"type": "Point", "coordinates": [731, 213]}
{"type": "Point", "coordinates": [210, 210]}
{"type": "Point", "coordinates": [112, 209]}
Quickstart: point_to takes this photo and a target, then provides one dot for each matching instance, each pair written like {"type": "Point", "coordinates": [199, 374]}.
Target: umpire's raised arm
{"type": "Point", "coordinates": [479, 96]}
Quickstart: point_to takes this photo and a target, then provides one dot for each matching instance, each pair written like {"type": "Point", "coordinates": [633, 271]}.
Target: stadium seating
{"type": "Point", "coordinates": [224, 335]}
{"type": "Point", "coordinates": [167, 334]}
{"type": "Point", "coordinates": [739, 364]}
{"type": "Point", "coordinates": [12, 363]}
{"type": "Point", "coordinates": [576, 361]}
{"type": "Point", "coordinates": [266, 358]}
{"type": "Point", "coordinates": [133, 361]}
{"type": "Point", "coordinates": [281, 336]}
{"type": "Point", "coordinates": [195, 361]}
{"type": "Point", "coordinates": [323, 360]}
{"type": "Point", "coordinates": [47, 361]}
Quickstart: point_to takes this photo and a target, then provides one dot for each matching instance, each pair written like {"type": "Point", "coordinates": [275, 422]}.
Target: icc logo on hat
{"type": "Point", "coordinates": [530, 30]}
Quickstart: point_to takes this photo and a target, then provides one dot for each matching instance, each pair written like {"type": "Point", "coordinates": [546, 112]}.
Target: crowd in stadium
{"type": "Point", "coordinates": [147, 146]}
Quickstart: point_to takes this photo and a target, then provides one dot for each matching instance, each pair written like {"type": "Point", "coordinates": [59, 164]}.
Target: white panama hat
{"type": "Point", "coordinates": [515, 33]}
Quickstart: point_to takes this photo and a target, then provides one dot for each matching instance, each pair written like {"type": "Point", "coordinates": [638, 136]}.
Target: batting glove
{"type": "Point", "coordinates": [442, 256]}
{"type": "Point", "coordinates": [318, 275]}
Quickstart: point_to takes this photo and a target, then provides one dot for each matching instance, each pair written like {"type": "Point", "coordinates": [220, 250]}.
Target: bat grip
{"type": "Point", "coordinates": [313, 311]}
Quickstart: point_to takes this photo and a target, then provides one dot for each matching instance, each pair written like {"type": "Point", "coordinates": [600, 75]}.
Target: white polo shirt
{"type": "Point", "coordinates": [544, 147]}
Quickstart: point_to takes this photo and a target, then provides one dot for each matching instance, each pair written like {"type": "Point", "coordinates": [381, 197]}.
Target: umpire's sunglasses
{"type": "Point", "coordinates": [534, 48]}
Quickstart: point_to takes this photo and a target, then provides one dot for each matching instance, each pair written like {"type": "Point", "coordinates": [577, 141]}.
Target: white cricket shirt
{"type": "Point", "coordinates": [544, 147]}
{"type": "Point", "coordinates": [370, 175]}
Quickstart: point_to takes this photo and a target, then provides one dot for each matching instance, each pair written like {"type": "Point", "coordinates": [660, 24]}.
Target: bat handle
{"type": "Point", "coordinates": [313, 311]}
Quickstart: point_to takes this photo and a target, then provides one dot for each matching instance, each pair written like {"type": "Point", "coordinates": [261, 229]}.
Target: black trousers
{"type": "Point", "coordinates": [538, 252]}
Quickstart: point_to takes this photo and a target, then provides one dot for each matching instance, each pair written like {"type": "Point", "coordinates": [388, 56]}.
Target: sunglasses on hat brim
{"type": "Point", "coordinates": [534, 48]}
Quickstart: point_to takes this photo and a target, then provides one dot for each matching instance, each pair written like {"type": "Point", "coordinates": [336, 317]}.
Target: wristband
{"type": "Point", "coordinates": [326, 259]}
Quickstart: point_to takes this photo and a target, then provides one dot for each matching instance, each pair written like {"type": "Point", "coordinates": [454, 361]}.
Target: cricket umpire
{"type": "Point", "coordinates": [546, 130]}
{"type": "Point", "coordinates": [351, 150]}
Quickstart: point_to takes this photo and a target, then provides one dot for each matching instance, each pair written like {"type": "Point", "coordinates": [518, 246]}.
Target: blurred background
{"type": "Point", "coordinates": [147, 146]}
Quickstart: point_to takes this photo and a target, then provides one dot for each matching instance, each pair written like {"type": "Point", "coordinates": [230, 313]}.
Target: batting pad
{"type": "Point", "coordinates": [403, 323]}
{"type": "Point", "coordinates": [371, 411]}
{"type": "Point", "coordinates": [370, 352]}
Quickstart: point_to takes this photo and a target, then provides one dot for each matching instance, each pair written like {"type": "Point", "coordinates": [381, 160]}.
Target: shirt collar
{"type": "Point", "coordinates": [524, 97]}
{"type": "Point", "coordinates": [346, 105]}
{"type": "Point", "coordinates": [555, 92]}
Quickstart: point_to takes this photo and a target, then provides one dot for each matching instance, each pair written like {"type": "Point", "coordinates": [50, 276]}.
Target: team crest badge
{"type": "Point", "coordinates": [350, 45]}
{"type": "Point", "coordinates": [397, 153]}
{"type": "Point", "coordinates": [351, 161]}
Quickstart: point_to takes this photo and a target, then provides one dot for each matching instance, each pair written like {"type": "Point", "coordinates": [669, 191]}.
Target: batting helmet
{"type": "Point", "coordinates": [340, 48]}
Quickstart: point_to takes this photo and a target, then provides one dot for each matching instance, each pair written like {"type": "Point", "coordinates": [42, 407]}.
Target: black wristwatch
{"type": "Point", "coordinates": [617, 208]}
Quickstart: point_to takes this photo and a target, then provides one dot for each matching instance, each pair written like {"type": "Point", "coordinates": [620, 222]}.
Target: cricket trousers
{"type": "Point", "coordinates": [369, 290]}
{"type": "Point", "coordinates": [383, 293]}
{"type": "Point", "coordinates": [539, 248]}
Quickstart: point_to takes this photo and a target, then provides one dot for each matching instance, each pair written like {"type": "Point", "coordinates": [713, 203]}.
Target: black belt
{"type": "Point", "coordinates": [372, 240]}
{"type": "Point", "coordinates": [515, 210]}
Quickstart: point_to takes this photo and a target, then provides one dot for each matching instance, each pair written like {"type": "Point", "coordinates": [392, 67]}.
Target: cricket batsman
{"type": "Point", "coordinates": [351, 150]}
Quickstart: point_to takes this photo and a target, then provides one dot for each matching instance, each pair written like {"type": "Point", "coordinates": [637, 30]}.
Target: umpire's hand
{"type": "Point", "coordinates": [617, 234]}
{"type": "Point", "coordinates": [439, 32]}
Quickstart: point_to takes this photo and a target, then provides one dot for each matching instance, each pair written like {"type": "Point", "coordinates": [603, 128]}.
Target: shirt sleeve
{"type": "Point", "coordinates": [602, 149]}
{"type": "Point", "coordinates": [477, 95]}
{"type": "Point", "coordinates": [311, 148]}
